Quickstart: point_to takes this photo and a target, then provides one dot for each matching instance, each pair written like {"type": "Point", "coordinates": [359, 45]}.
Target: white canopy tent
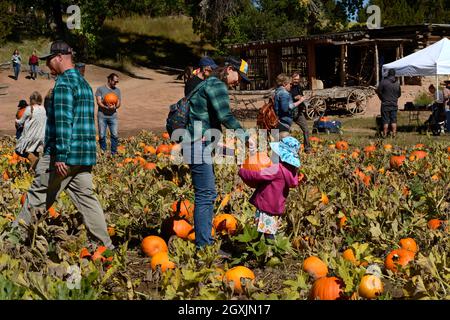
{"type": "Point", "coordinates": [433, 60]}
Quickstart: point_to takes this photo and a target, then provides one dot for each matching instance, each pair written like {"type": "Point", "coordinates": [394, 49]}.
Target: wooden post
{"type": "Point", "coordinates": [343, 65]}
{"type": "Point", "coordinates": [376, 66]}
{"type": "Point", "coordinates": [274, 64]}
{"type": "Point", "coordinates": [311, 56]}
{"type": "Point", "coordinates": [400, 48]}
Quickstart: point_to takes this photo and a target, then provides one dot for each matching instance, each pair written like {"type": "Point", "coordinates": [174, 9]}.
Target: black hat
{"type": "Point", "coordinates": [240, 65]}
{"type": "Point", "coordinates": [22, 104]}
{"type": "Point", "coordinates": [57, 47]}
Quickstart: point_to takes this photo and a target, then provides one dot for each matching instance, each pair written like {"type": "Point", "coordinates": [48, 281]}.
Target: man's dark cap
{"type": "Point", "coordinates": [57, 47]}
{"type": "Point", "coordinates": [391, 73]}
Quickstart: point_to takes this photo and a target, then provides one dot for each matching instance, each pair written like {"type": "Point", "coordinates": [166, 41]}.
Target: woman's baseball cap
{"type": "Point", "coordinates": [240, 65]}
{"type": "Point", "coordinates": [57, 47]}
{"type": "Point", "coordinates": [287, 149]}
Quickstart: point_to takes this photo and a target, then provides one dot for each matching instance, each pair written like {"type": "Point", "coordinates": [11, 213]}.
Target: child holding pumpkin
{"type": "Point", "coordinates": [273, 184]}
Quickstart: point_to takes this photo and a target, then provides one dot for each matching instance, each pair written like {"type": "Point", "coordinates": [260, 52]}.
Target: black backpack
{"type": "Point", "coordinates": [178, 116]}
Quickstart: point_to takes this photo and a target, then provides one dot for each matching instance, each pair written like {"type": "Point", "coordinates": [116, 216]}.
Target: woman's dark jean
{"type": "Point", "coordinates": [203, 179]}
{"type": "Point", "coordinates": [16, 67]}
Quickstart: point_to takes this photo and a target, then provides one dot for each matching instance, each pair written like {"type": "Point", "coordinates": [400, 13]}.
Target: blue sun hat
{"type": "Point", "coordinates": [287, 149]}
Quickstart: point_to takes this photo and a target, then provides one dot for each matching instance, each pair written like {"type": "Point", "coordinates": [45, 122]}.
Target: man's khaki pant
{"type": "Point", "coordinates": [47, 185]}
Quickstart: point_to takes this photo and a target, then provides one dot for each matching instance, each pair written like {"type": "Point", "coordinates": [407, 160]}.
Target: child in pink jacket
{"type": "Point", "coordinates": [272, 185]}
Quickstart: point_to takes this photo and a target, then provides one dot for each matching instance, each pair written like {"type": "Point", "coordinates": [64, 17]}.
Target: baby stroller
{"type": "Point", "coordinates": [436, 123]}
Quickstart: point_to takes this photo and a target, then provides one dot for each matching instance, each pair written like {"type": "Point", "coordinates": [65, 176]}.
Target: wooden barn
{"type": "Point", "coordinates": [351, 58]}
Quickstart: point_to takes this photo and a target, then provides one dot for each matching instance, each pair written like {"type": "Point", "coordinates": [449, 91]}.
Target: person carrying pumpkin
{"type": "Point", "coordinates": [107, 112]}
{"type": "Point", "coordinates": [273, 184]}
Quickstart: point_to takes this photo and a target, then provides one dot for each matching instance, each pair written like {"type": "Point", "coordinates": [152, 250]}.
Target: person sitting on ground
{"type": "Point", "coordinates": [31, 142]}
{"type": "Point", "coordinates": [273, 184]}
{"type": "Point", "coordinates": [19, 114]}
{"type": "Point", "coordinates": [207, 66]}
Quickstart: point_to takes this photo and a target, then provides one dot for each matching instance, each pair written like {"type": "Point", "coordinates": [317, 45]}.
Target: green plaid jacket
{"type": "Point", "coordinates": [210, 108]}
{"type": "Point", "coordinates": [70, 132]}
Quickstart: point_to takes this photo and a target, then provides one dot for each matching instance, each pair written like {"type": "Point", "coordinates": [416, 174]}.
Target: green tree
{"type": "Point", "coordinates": [5, 20]}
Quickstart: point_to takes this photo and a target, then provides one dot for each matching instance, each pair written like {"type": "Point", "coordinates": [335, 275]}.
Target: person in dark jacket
{"type": "Point", "coordinates": [299, 113]}
{"type": "Point", "coordinates": [389, 91]}
{"type": "Point", "coordinates": [206, 67]}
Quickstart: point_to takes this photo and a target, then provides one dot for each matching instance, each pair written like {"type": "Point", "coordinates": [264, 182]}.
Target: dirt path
{"type": "Point", "coordinates": [146, 97]}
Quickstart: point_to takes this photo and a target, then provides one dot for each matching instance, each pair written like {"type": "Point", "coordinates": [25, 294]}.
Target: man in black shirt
{"type": "Point", "coordinates": [299, 116]}
{"type": "Point", "coordinates": [206, 65]}
{"type": "Point", "coordinates": [389, 91]}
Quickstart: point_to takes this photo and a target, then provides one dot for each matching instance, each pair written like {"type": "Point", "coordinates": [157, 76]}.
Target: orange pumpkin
{"type": "Point", "coordinates": [184, 209]}
{"type": "Point", "coordinates": [191, 235]}
{"type": "Point", "coordinates": [370, 286]}
{"type": "Point", "coordinates": [315, 267]}
{"type": "Point", "coordinates": [387, 147]}
{"type": "Point", "coordinates": [166, 135]}
{"type": "Point", "coordinates": [182, 228]}
{"type": "Point", "coordinates": [236, 275]}
{"type": "Point", "coordinates": [342, 222]}
{"type": "Point", "coordinates": [342, 145]}
{"type": "Point", "coordinates": [419, 146]}
{"type": "Point", "coordinates": [257, 162]}
{"type": "Point", "coordinates": [349, 255]}
{"type": "Point", "coordinates": [398, 257]}
{"type": "Point", "coordinates": [151, 245]}
{"type": "Point", "coordinates": [448, 149]}
{"type": "Point", "coordinates": [111, 99]}
{"type": "Point", "coordinates": [161, 259]}
{"type": "Point", "coordinates": [370, 149]}
{"type": "Point", "coordinates": [85, 254]}
{"type": "Point", "coordinates": [103, 254]}
{"type": "Point", "coordinates": [149, 150]}
{"type": "Point", "coordinates": [327, 288]}
{"type": "Point", "coordinates": [408, 244]}
{"type": "Point", "coordinates": [52, 212]}
{"type": "Point", "coordinates": [324, 199]}
{"type": "Point", "coordinates": [225, 223]}
{"type": "Point", "coordinates": [434, 224]}
{"type": "Point", "coordinates": [164, 149]}
{"type": "Point", "coordinates": [150, 166]}
{"type": "Point", "coordinates": [314, 139]}
{"type": "Point", "coordinates": [417, 155]}
{"type": "Point", "coordinates": [396, 161]}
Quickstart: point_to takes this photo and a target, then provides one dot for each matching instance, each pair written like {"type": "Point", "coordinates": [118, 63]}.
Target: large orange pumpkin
{"type": "Point", "coordinates": [315, 267]}
{"type": "Point", "coordinates": [349, 255]}
{"type": "Point", "coordinates": [225, 223]}
{"type": "Point", "coordinates": [370, 149]}
{"type": "Point", "coordinates": [236, 274]}
{"type": "Point", "coordinates": [182, 228]}
{"type": "Point", "coordinates": [162, 259]}
{"type": "Point", "coordinates": [342, 145]}
{"type": "Point", "coordinates": [111, 98]}
{"type": "Point", "coordinates": [257, 162]}
{"type": "Point", "coordinates": [184, 208]}
{"type": "Point", "coordinates": [398, 257]}
{"type": "Point", "coordinates": [151, 245]}
{"type": "Point", "coordinates": [370, 286]}
{"type": "Point", "coordinates": [409, 244]}
{"type": "Point", "coordinates": [327, 288]}
{"type": "Point", "coordinates": [396, 161]}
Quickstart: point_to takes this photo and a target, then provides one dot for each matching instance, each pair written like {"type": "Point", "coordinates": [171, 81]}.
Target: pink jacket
{"type": "Point", "coordinates": [272, 186]}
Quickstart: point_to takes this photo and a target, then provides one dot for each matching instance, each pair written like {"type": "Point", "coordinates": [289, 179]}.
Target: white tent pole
{"type": "Point", "coordinates": [437, 87]}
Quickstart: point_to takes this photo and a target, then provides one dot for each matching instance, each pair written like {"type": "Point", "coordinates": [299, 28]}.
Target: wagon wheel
{"type": "Point", "coordinates": [356, 101]}
{"type": "Point", "coordinates": [316, 107]}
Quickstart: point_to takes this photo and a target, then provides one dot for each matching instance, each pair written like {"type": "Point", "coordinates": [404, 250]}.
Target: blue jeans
{"type": "Point", "coordinates": [203, 179]}
{"type": "Point", "coordinates": [16, 67]}
{"type": "Point", "coordinates": [112, 122]}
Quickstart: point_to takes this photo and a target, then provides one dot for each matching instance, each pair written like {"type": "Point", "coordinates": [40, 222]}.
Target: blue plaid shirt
{"type": "Point", "coordinates": [70, 132]}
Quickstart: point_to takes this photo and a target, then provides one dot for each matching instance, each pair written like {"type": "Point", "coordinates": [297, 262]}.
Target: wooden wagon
{"type": "Point", "coordinates": [353, 99]}
{"type": "Point", "coordinates": [245, 104]}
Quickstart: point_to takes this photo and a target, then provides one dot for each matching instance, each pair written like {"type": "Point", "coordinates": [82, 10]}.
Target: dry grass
{"type": "Point", "coordinates": [25, 47]}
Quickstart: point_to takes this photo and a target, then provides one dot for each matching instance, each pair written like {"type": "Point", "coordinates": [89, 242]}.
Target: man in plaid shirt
{"type": "Point", "coordinates": [70, 147]}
